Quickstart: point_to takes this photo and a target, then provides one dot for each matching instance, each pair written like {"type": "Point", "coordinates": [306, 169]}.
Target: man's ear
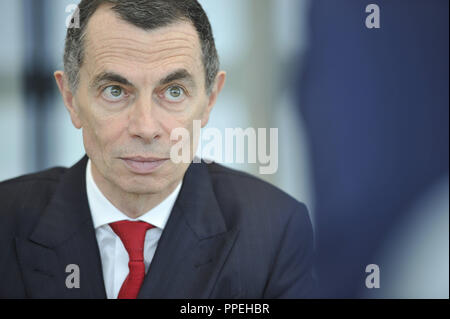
{"type": "Point", "coordinates": [68, 97]}
{"type": "Point", "coordinates": [218, 86]}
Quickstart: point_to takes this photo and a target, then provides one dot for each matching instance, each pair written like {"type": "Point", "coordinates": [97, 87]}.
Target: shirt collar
{"type": "Point", "coordinates": [104, 212]}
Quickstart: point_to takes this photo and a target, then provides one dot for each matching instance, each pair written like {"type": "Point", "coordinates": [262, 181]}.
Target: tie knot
{"type": "Point", "coordinates": [132, 235]}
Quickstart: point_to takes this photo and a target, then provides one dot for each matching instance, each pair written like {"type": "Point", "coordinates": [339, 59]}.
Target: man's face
{"type": "Point", "coordinates": [135, 87]}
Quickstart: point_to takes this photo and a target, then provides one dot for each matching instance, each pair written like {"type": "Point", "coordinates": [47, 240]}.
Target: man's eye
{"type": "Point", "coordinates": [174, 94]}
{"type": "Point", "coordinates": [113, 93]}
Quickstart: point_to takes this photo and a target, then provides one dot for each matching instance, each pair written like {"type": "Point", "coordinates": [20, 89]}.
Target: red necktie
{"type": "Point", "coordinates": [132, 235]}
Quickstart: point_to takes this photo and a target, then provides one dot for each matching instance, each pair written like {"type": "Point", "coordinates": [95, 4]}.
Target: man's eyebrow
{"type": "Point", "coordinates": [181, 74]}
{"type": "Point", "coordinates": [109, 77]}
{"type": "Point", "coordinates": [177, 75]}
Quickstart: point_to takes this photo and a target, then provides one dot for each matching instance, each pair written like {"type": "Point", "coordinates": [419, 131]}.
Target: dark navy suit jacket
{"type": "Point", "coordinates": [229, 235]}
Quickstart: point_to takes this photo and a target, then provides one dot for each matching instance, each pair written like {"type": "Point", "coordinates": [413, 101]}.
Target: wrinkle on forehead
{"type": "Point", "coordinates": [126, 50]}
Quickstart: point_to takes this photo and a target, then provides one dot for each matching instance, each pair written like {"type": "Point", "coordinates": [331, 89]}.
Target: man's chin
{"type": "Point", "coordinates": [142, 189]}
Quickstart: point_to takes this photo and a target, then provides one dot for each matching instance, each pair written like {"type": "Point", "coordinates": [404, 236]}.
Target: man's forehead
{"type": "Point", "coordinates": [111, 40]}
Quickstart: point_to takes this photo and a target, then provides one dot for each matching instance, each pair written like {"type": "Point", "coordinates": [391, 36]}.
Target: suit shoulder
{"type": "Point", "coordinates": [27, 190]}
{"type": "Point", "coordinates": [249, 190]}
{"type": "Point", "coordinates": [49, 175]}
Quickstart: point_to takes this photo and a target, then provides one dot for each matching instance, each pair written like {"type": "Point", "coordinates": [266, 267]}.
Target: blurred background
{"type": "Point", "coordinates": [362, 118]}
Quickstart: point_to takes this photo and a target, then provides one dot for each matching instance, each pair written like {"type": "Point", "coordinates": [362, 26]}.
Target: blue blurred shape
{"type": "Point", "coordinates": [376, 104]}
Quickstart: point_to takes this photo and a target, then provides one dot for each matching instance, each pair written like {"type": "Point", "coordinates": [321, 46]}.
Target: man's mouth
{"type": "Point", "coordinates": [143, 165]}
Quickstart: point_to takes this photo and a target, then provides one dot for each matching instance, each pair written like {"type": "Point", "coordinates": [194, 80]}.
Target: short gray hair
{"type": "Point", "coordinates": [148, 15]}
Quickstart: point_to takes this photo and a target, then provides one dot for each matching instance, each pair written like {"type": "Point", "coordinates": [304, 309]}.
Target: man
{"type": "Point", "coordinates": [127, 221]}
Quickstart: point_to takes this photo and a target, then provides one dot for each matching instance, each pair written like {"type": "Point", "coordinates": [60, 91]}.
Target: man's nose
{"type": "Point", "coordinates": [143, 123]}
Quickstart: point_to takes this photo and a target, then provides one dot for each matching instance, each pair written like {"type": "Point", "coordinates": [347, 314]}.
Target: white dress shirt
{"type": "Point", "coordinates": [113, 254]}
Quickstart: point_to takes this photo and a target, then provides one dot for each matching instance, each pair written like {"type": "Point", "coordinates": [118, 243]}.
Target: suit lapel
{"type": "Point", "coordinates": [194, 244]}
{"type": "Point", "coordinates": [64, 236]}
